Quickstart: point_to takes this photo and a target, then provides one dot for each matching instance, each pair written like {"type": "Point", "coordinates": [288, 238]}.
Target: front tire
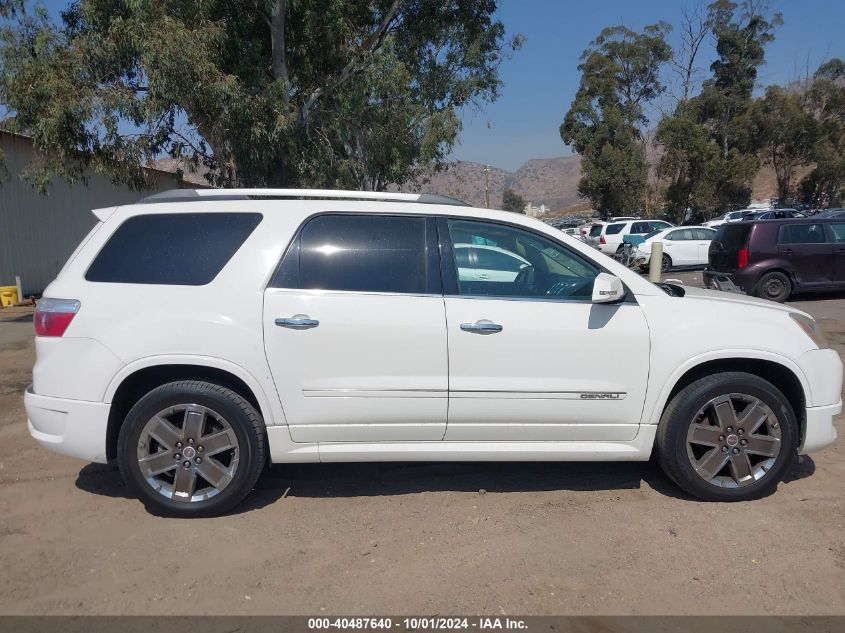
{"type": "Point", "coordinates": [191, 449]}
{"type": "Point", "coordinates": [666, 263]}
{"type": "Point", "coordinates": [728, 437]}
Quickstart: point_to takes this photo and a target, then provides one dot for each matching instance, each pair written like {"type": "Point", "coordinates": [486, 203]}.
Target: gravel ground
{"type": "Point", "coordinates": [576, 538]}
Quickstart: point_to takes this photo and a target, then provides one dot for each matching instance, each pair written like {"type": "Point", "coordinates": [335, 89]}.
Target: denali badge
{"type": "Point", "coordinates": [600, 396]}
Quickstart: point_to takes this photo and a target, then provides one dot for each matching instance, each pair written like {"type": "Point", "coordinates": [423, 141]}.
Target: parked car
{"type": "Point", "coordinates": [773, 214]}
{"type": "Point", "coordinates": [683, 247]}
{"type": "Point", "coordinates": [831, 213]}
{"type": "Point", "coordinates": [196, 336]}
{"type": "Point", "coordinates": [773, 259]}
{"type": "Point", "coordinates": [730, 216]}
{"type": "Point", "coordinates": [479, 262]}
{"type": "Point", "coordinates": [610, 237]}
{"type": "Point", "coordinates": [592, 233]}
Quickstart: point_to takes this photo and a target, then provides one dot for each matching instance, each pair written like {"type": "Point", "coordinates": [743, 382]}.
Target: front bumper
{"type": "Point", "coordinates": [71, 427]}
{"type": "Point", "coordinates": [819, 431]}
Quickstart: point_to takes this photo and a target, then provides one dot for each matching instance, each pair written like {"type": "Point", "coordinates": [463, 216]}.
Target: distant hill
{"type": "Point", "coordinates": [549, 181]}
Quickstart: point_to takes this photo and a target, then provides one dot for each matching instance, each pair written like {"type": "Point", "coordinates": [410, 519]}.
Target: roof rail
{"type": "Point", "coordinates": [188, 195]}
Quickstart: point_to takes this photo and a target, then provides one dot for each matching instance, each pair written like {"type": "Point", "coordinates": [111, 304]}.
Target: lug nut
{"type": "Point", "coordinates": [178, 444]}
{"type": "Point", "coordinates": [724, 449]}
{"type": "Point", "coordinates": [721, 438]}
{"type": "Point", "coordinates": [743, 442]}
{"type": "Point", "coordinates": [740, 432]}
{"type": "Point", "coordinates": [198, 460]}
{"type": "Point", "coordinates": [186, 464]}
{"type": "Point", "coordinates": [736, 451]}
{"type": "Point", "coordinates": [190, 440]}
{"type": "Point", "coordinates": [730, 429]}
{"type": "Point", "coordinates": [177, 457]}
{"type": "Point", "coordinates": [199, 448]}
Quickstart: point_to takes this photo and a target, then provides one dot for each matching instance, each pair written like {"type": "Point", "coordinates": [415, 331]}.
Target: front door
{"type": "Point", "coordinates": [533, 359]}
{"type": "Point", "coordinates": [355, 331]}
{"type": "Point", "coordinates": [838, 233]}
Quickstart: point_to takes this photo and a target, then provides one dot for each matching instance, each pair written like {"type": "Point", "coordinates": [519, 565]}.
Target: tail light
{"type": "Point", "coordinates": [602, 240]}
{"type": "Point", "coordinates": [742, 258]}
{"type": "Point", "coordinates": [53, 316]}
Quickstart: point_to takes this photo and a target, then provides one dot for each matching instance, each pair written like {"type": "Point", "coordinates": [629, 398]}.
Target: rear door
{"type": "Point", "coordinates": [681, 247]}
{"type": "Point", "coordinates": [808, 250]}
{"type": "Point", "coordinates": [355, 330]}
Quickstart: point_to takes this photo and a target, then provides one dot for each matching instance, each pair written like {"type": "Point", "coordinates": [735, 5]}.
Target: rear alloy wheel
{"type": "Point", "coordinates": [728, 437]}
{"type": "Point", "coordinates": [191, 449]}
{"type": "Point", "coordinates": [774, 286]}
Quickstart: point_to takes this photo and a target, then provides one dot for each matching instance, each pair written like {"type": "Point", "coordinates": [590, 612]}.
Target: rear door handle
{"type": "Point", "coordinates": [482, 327]}
{"type": "Point", "coordinates": [787, 251]}
{"type": "Point", "coordinates": [297, 322]}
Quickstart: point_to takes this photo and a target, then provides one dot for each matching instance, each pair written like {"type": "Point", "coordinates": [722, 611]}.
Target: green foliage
{"type": "Point", "coordinates": [512, 201]}
{"type": "Point", "coordinates": [346, 93]}
{"type": "Point", "coordinates": [825, 185]}
{"type": "Point", "coordinates": [711, 143]}
{"type": "Point", "coordinates": [620, 74]}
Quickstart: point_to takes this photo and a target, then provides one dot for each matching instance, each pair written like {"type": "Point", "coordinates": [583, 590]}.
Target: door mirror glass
{"type": "Point", "coordinates": [607, 288]}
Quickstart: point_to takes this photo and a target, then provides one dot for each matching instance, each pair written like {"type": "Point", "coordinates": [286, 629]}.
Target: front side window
{"type": "Point", "coordinates": [363, 253]}
{"type": "Point", "coordinates": [838, 232]}
{"type": "Point", "coordinates": [178, 249]}
{"type": "Point", "coordinates": [802, 234]}
{"type": "Point", "coordinates": [519, 264]}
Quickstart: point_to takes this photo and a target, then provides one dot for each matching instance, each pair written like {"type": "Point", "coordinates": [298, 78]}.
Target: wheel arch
{"type": "Point", "coordinates": [139, 378]}
{"type": "Point", "coordinates": [781, 372]}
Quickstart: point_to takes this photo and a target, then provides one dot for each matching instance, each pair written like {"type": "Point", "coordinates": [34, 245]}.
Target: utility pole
{"type": "Point", "coordinates": [487, 186]}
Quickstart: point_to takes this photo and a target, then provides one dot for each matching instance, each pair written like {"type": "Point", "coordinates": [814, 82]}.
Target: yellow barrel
{"type": "Point", "coordinates": [8, 296]}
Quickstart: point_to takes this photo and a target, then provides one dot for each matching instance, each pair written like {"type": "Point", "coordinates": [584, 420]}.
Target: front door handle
{"type": "Point", "coordinates": [482, 327]}
{"type": "Point", "coordinates": [787, 251]}
{"type": "Point", "coordinates": [298, 322]}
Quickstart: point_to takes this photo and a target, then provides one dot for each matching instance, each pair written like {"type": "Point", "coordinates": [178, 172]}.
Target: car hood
{"type": "Point", "coordinates": [732, 297]}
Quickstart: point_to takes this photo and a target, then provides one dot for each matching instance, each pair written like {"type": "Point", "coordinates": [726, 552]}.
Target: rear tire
{"type": "Point", "coordinates": [707, 445]}
{"type": "Point", "coordinates": [666, 263]}
{"type": "Point", "coordinates": [191, 449]}
{"type": "Point", "coordinates": [774, 286]}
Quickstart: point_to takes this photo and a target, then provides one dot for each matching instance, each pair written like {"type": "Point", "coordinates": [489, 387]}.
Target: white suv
{"type": "Point", "coordinates": [197, 336]}
{"type": "Point", "coordinates": [610, 239]}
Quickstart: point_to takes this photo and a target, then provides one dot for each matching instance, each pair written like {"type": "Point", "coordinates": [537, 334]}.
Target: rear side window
{"type": "Point", "coordinates": [704, 234]}
{"type": "Point", "coordinates": [179, 249]}
{"type": "Point", "coordinates": [802, 234]}
{"type": "Point", "coordinates": [363, 253]}
{"type": "Point", "coordinates": [613, 229]}
{"type": "Point", "coordinates": [640, 228]}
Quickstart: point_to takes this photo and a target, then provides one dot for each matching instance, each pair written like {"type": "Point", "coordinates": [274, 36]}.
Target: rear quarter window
{"type": "Point", "coordinates": [179, 249]}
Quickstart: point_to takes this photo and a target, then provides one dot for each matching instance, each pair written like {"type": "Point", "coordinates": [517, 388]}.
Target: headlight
{"type": "Point", "coordinates": [811, 329]}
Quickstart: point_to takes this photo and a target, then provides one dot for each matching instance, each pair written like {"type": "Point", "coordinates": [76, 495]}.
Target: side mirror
{"type": "Point", "coordinates": [607, 288]}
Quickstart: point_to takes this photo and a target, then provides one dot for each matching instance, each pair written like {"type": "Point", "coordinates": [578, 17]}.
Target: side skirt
{"type": "Point", "coordinates": [283, 450]}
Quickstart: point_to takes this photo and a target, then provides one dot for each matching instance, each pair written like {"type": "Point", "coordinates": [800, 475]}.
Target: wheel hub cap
{"type": "Point", "coordinates": [733, 441]}
{"type": "Point", "coordinates": [188, 453]}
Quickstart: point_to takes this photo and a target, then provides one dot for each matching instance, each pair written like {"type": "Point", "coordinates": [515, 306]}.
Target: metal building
{"type": "Point", "coordinates": [39, 232]}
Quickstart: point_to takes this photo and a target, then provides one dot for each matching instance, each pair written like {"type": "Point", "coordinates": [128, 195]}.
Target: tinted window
{"type": "Point", "coordinates": [639, 228]}
{"type": "Point", "coordinates": [595, 230]}
{"type": "Point", "coordinates": [180, 249]}
{"type": "Point", "coordinates": [732, 236]}
{"type": "Point", "coordinates": [658, 226]}
{"type": "Point", "coordinates": [802, 234]}
{"type": "Point", "coordinates": [531, 265]}
{"type": "Point", "coordinates": [613, 229]}
{"type": "Point", "coordinates": [462, 255]}
{"type": "Point", "coordinates": [704, 234]}
{"type": "Point", "coordinates": [838, 232]}
{"type": "Point", "coordinates": [364, 253]}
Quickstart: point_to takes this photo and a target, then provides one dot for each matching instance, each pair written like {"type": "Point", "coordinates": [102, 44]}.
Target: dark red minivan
{"type": "Point", "coordinates": [773, 259]}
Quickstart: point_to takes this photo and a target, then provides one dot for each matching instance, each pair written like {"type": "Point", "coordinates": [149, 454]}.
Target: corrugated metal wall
{"type": "Point", "coordinates": [38, 233]}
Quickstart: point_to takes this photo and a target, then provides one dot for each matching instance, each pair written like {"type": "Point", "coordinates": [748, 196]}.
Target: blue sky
{"type": "Point", "coordinates": [542, 78]}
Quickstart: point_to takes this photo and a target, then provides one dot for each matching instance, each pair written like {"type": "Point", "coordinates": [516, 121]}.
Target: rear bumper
{"type": "Point", "coordinates": [727, 282]}
{"type": "Point", "coordinates": [819, 431]}
{"type": "Point", "coordinates": [71, 427]}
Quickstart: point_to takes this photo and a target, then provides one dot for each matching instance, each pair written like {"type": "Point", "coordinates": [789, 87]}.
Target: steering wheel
{"type": "Point", "coordinates": [525, 277]}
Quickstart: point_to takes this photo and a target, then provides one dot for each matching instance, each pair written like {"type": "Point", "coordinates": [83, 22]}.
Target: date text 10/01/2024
{"type": "Point", "coordinates": [417, 623]}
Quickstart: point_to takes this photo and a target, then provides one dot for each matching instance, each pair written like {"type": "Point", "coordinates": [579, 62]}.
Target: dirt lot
{"type": "Point", "coordinates": [415, 538]}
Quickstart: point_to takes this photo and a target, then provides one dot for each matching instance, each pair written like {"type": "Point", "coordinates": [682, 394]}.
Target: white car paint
{"type": "Point", "coordinates": [730, 216]}
{"type": "Point", "coordinates": [610, 239]}
{"type": "Point", "coordinates": [393, 377]}
{"type": "Point", "coordinates": [682, 244]}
